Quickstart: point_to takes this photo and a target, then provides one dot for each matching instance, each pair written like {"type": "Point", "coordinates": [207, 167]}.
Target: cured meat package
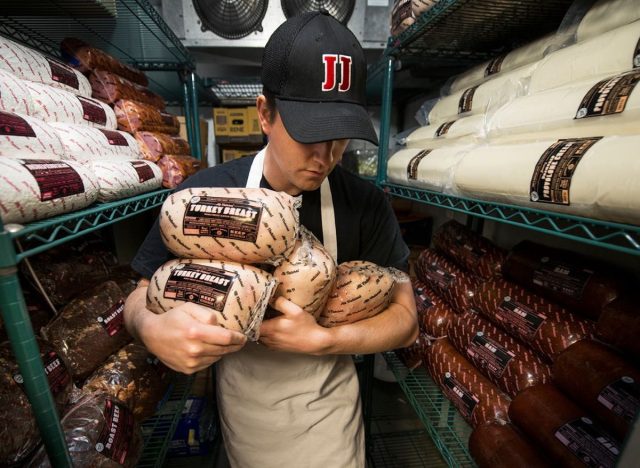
{"type": "Point", "coordinates": [14, 95]}
{"type": "Point", "coordinates": [495, 445]}
{"type": "Point", "coordinates": [22, 136]}
{"type": "Point", "coordinates": [413, 356]}
{"type": "Point", "coordinates": [619, 326]}
{"type": "Point", "coordinates": [83, 143]}
{"type": "Point", "coordinates": [434, 314]}
{"type": "Point", "coordinates": [121, 179]}
{"type": "Point", "coordinates": [156, 145]}
{"type": "Point", "coordinates": [176, 168]}
{"type": "Point", "coordinates": [134, 116]}
{"type": "Point", "coordinates": [109, 87]}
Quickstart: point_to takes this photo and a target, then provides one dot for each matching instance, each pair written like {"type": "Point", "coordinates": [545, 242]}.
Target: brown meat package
{"type": "Point", "coordinates": [156, 145]}
{"type": "Point", "coordinates": [134, 116]}
{"type": "Point", "coordinates": [413, 356]}
{"type": "Point", "coordinates": [503, 359]}
{"type": "Point", "coordinates": [476, 398]}
{"type": "Point", "coordinates": [100, 432]}
{"type": "Point", "coordinates": [563, 276]}
{"type": "Point", "coordinates": [176, 169]}
{"type": "Point", "coordinates": [469, 250]}
{"type": "Point", "coordinates": [562, 430]}
{"type": "Point", "coordinates": [434, 314]}
{"type": "Point", "coordinates": [544, 326]}
{"type": "Point", "coordinates": [19, 434]}
{"type": "Point", "coordinates": [109, 87]}
{"type": "Point", "coordinates": [89, 329]}
{"type": "Point", "coordinates": [134, 376]}
{"type": "Point", "coordinates": [446, 279]}
{"type": "Point", "coordinates": [619, 326]}
{"type": "Point", "coordinates": [495, 445]}
{"type": "Point", "coordinates": [602, 382]}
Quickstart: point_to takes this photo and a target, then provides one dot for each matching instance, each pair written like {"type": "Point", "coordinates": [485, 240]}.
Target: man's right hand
{"type": "Point", "coordinates": [187, 338]}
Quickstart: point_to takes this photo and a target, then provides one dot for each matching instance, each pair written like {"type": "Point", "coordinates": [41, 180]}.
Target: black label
{"type": "Point", "coordinates": [228, 218]}
{"type": "Point", "coordinates": [608, 96]}
{"type": "Point", "coordinates": [113, 320]}
{"type": "Point", "coordinates": [114, 138]}
{"type": "Point", "coordinates": [519, 318]}
{"type": "Point", "coordinates": [622, 397]}
{"type": "Point", "coordinates": [63, 74]}
{"type": "Point", "coordinates": [438, 276]}
{"type": "Point", "coordinates": [466, 100]}
{"type": "Point", "coordinates": [117, 432]}
{"type": "Point", "coordinates": [488, 355]}
{"type": "Point", "coordinates": [561, 278]}
{"type": "Point", "coordinates": [144, 171]}
{"type": "Point", "coordinates": [55, 179]}
{"type": "Point", "coordinates": [592, 446]}
{"type": "Point", "coordinates": [444, 128]}
{"type": "Point", "coordinates": [201, 284]}
{"type": "Point", "coordinates": [412, 167]}
{"type": "Point", "coordinates": [14, 125]}
{"type": "Point", "coordinates": [494, 66]}
{"type": "Point", "coordinates": [423, 300]}
{"type": "Point", "coordinates": [92, 112]}
{"type": "Point", "coordinates": [461, 397]}
{"type": "Point", "coordinates": [468, 252]}
{"type": "Point", "coordinates": [552, 175]}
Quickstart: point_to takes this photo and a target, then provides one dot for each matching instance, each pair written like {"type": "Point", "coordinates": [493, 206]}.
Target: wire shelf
{"type": "Point", "coordinates": [404, 449]}
{"type": "Point", "coordinates": [614, 236]}
{"type": "Point", "coordinates": [235, 92]}
{"type": "Point", "coordinates": [442, 421]}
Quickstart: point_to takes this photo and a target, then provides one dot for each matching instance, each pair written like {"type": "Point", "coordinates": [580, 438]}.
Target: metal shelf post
{"type": "Point", "coordinates": [385, 121]}
{"type": "Point", "coordinates": [195, 116]}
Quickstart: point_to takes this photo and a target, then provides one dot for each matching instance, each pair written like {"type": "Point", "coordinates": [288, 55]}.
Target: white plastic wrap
{"type": "Point", "coordinates": [428, 169]}
{"type": "Point", "coordinates": [489, 95]}
{"type": "Point", "coordinates": [556, 113]}
{"type": "Point", "coordinates": [22, 136]}
{"type": "Point", "coordinates": [30, 65]}
{"type": "Point", "coordinates": [54, 105]}
{"type": "Point", "coordinates": [401, 16]}
{"type": "Point", "coordinates": [121, 179]}
{"type": "Point", "coordinates": [84, 143]}
{"type": "Point", "coordinates": [420, 6]}
{"type": "Point", "coordinates": [38, 189]}
{"type": "Point", "coordinates": [606, 15]}
{"type": "Point", "coordinates": [608, 54]}
{"type": "Point", "coordinates": [596, 178]}
{"type": "Point", "coordinates": [14, 95]}
{"type": "Point", "coordinates": [435, 136]}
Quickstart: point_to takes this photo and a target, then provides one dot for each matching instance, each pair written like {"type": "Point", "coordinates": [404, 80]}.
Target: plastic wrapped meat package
{"type": "Point", "coordinates": [109, 87]}
{"type": "Point", "coordinates": [135, 116]}
{"type": "Point", "coordinates": [155, 145]}
{"type": "Point", "coordinates": [26, 137]}
{"type": "Point", "coordinates": [176, 169]}
{"type": "Point", "coordinates": [606, 15]}
{"type": "Point", "coordinates": [122, 179]}
{"type": "Point", "coordinates": [14, 94]}
{"type": "Point", "coordinates": [83, 143]}
{"type": "Point", "coordinates": [448, 133]}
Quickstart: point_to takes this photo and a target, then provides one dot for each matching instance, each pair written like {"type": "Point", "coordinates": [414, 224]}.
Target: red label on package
{"type": "Point", "coordinates": [144, 170]}
{"type": "Point", "coordinates": [589, 443]}
{"type": "Point", "coordinates": [117, 433]}
{"type": "Point", "coordinates": [61, 73]}
{"type": "Point", "coordinates": [113, 320]}
{"type": "Point", "coordinates": [438, 276]}
{"type": "Point", "coordinates": [55, 179]}
{"type": "Point", "coordinates": [227, 218]}
{"type": "Point", "coordinates": [14, 125]}
{"type": "Point", "coordinates": [608, 96]}
{"type": "Point", "coordinates": [200, 284]}
{"type": "Point", "coordinates": [519, 319]}
{"type": "Point", "coordinates": [92, 112]}
{"type": "Point", "coordinates": [412, 167]}
{"type": "Point", "coordinates": [622, 397]}
{"type": "Point", "coordinates": [114, 138]}
{"type": "Point", "coordinates": [488, 355]}
{"type": "Point", "coordinates": [494, 65]}
{"type": "Point", "coordinates": [443, 129]}
{"type": "Point", "coordinates": [561, 278]}
{"type": "Point", "coordinates": [552, 175]}
{"type": "Point", "coordinates": [459, 395]}
{"type": "Point", "coordinates": [466, 100]}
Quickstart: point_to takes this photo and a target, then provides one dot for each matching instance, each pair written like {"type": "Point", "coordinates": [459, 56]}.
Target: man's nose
{"type": "Point", "coordinates": [323, 151]}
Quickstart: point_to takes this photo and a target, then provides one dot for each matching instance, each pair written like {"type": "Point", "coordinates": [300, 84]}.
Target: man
{"type": "Point", "coordinates": [292, 399]}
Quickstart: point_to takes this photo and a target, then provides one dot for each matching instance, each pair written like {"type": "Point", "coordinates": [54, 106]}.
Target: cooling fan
{"type": "Point", "coordinates": [231, 19]}
{"type": "Point", "coordinates": [339, 9]}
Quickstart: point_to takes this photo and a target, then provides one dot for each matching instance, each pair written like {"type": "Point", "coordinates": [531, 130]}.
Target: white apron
{"type": "Point", "coordinates": [288, 410]}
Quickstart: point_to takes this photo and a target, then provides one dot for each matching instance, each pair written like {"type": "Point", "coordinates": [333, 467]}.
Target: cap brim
{"type": "Point", "coordinates": [313, 122]}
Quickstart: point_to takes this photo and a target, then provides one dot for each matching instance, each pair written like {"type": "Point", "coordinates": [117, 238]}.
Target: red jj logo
{"type": "Point", "coordinates": [330, 65]}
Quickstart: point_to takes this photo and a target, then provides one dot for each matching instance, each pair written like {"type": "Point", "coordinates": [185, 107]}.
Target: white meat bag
{"type": "Point", "coordinates": [122, 179]}
{"type": "Point", "coordinates": [307, 276]}
{"type": "Point", "coordinates": [362, 290]}
{"type": "Point", "coordinates": [54, 105]}
{"type": "Point", "coordinates": [14, 95]}
{"type": "Point", "coordinates": [34, 189]}
{"type": "Point", "coordinates": [435, 136]}
{"type": "Point", "coordinates": [247, 225]}
{"type": "Point", "coordinates": [84, 143]}
{"type": "Point", "coordinates": [28, 64]}
{"type": "Point", "coordinates": [606, 15]}
{"type": "Point", "coordinates": [22, 136]}
{"type": "Point", "coordinates": [238, 294]}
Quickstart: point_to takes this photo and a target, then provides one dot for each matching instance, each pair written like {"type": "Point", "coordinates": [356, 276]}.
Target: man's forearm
{"type": "Point", "coordinates": [135, 309]}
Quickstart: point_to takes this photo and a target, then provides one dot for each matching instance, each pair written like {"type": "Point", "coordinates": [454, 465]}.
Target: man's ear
{"type": "Point", "coordinates": [264, 114]}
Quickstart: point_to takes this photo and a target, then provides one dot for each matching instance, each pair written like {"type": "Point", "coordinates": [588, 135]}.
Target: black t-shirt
{"type": "Point", "coordinates": [366, 227]}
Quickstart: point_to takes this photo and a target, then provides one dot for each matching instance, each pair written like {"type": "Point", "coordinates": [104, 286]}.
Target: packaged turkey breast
{"type": "Point", "coordinates": [247, 225]}
{"type": "Point", "coordinates": [156, 145]}
{"type": "Point", "coordinates": [238, 294]}
{"type": "Point", "coordinates": [22, 136]}
{"type": "Point", "coordinates": [14, 95]}
{"type": "Point", "coordinates": [35, 189]}
{"type": "Point", "coordinates": [109, 87]}
{"type": "Point", "coordinates": [435, 136]}
{"type": "Point", "coordinates": [134, 116]}
{"type": "Point", "coordinates": [122, 179]}
{"type": "Point", "coordinates": [176, 169]}
{"type": "Point", "coordinates": [83, 143]}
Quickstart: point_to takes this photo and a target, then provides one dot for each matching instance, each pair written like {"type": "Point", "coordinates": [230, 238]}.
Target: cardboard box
{"type": "Point", "coordinates": [229, 154]}
{"type": "Point", "coordinates": [253, 123]}
{"type": "Point", "coordinates": [220, 121]}
{"type": "Point", "coordinates": [234, 125]}
{"type": "Point", "coordinates": [204, 137]}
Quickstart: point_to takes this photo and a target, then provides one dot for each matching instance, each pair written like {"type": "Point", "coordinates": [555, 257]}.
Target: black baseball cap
{"type": "Point", "coordinates": [315, 68]}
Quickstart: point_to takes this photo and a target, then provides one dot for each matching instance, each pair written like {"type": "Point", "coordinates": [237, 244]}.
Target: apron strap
{"type": "Point", "coordinates": [255, 173]}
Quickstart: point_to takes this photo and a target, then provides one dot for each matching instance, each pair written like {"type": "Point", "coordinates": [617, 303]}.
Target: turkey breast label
{"type": "Point", "coordinates": [116, 433]}
{"type": "Point", "coordinates": [589, 443]}
{"type": "Point", "coordinates": [54, 178]}
{"type": "Point", "coordinates": [461, 397]}
{"type": "Point", "coordinates": [92, 112]}
{"type": "Point", "coordinates": [519, 318]}
{"type": "Point", "coordinates": [488, 355]}
{"type": "Point", "coordinates": [608, 96]}
{"type": "Point", "coordinates": [200, 284]}
{"type": "Point", "coordinates": [14, 125]}
{"type": "Point", "coordinates": [143, 170]}
{"type": "Point", "coordinates": [622, 397]}
{"type": "Point", "coordinates": [63, 74]}
{"type": "Point", "coordinates": [552, 175]}
{"type": "Point", "coordinates": [412, 167]}
{"type": "Point", "coordinates": [561, 278]}
{"type": "Point", "coordinates": [113, 320]}
{"type": "Point", "coordinates": [114, 138]}
{"type": "Point", "coordinates": [466, 100]}
{"type": "Point", "coordinates": [229, 218]}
